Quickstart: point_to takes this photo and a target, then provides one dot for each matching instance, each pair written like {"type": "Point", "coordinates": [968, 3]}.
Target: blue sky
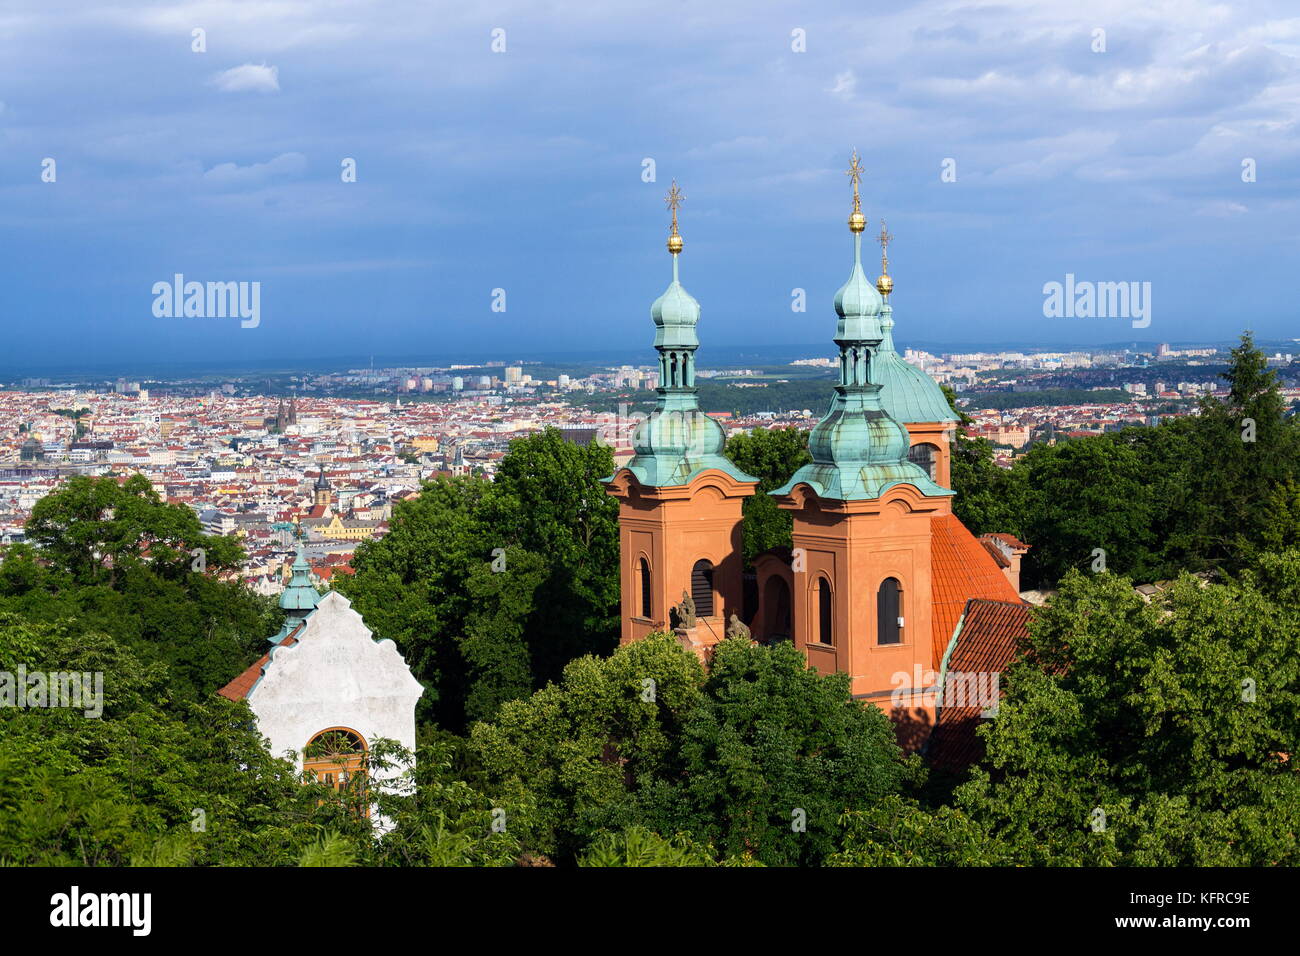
{"type": "Point", "coordinates": [522, 170]}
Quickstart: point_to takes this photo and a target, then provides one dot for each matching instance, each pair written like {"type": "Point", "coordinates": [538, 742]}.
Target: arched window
{"type": "Point", "coordinates": [337, 759]}
{"type": "Point", "coordinates": [926, 456]}
{"type": "Point", "coordinates": [889, 612]}
{"type": "Point", "coordinates": [825, 613]}
{"type": "Point", "coordinates": [644, 567]}
{"type": "Point", "coordinates": [702, 588]}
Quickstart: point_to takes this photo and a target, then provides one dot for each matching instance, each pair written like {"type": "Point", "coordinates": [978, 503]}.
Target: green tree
{"type": "Point", "coordinates": [637, 846]}
{"type": "Point", "coordinates": [496, 646]}
{"type": "Point", "coordinates": [579, 750]}
{"type": "Point", "coordinates": [547, 498]}
{"type": "Point", "coordinates": [772, 455]}
{"type": "Point", "coordinates": [137, 781]}
{"type": "Point", "coordinates": [899, 832]}
{"type": "Point", "coordinates": [1083, 496]}
{"type": "Point", "coordinates": [410, 586]}
{"type": "Point", "coordinates": [490, 588]}
{"type": "Point", "coordinates": [1156, 734]}
{"type": "Point", "coordinates": [118, 560]}
{"type": "Point", "coordinates": [771, 754]}
{"type": "Point", "coordinates": [1249, 451]}
{"type": "Point", "coordinates": [96, 529]}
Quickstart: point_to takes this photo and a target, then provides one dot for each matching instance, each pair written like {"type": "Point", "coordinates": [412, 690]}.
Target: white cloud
{"type": "Point", "coordinates": [249, 78]}
{"type": "Point", "coordinates": [1222, 208]}
{"type": "Point", "coordinates": [845, 84]}
{"type": "Point", "coordinates": [256, 174]}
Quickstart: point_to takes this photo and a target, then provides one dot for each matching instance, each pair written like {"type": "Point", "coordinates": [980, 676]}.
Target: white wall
{"type": "Point", "coordinates": [336, 675]}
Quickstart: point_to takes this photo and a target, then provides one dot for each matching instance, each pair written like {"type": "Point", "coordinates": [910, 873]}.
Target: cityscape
{"type": "Point", "coordinates": [250, 464]}
{"type": "Point", "coordinates": [800, 439]}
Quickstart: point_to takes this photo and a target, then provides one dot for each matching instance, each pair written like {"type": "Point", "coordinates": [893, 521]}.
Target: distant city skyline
{"type": "Point", "coordinates": [719, 356]}
{"type": "Point", "coordinates": [1114, 157]}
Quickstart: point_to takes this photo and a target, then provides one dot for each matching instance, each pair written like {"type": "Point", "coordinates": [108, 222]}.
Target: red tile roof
{"type": "Point", "coordinates": [960, 569]}
{"type": "Point", "coordinates": [989, 640]}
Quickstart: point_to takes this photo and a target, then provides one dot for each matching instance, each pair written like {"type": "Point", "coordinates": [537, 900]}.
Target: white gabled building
{"type": "Point", "coordinates": [328, 685]}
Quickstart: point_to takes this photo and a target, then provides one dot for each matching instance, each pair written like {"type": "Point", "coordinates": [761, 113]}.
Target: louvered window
{"type": "Point", "coordinates": [702, 588]}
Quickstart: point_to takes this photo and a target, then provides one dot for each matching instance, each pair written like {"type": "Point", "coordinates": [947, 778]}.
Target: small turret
{"type": "Point", "coordinates": [299, 597]}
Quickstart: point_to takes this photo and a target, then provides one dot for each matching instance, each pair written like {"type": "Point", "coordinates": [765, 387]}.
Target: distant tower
{"type": "Point", "coordinates": [679, 497]}
{"type": "Point", "coordinates": [32, 449]}
{"type": "Point", "coordinates": [280, 419]}
{"type": "Point", "coordinates": [323, 495]}
{"type": "Point", "coordinates": [293, 410]}
{"type": "Point", "coordinates": [861, 583]}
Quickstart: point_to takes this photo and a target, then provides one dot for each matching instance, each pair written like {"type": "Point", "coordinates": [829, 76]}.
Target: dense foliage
{"type": "Point", "coordinates": [117, 560]}
{"type": "Point", "coordinates": [1155, 734]}
{"type": "Point", "coordinates": [490, 588]}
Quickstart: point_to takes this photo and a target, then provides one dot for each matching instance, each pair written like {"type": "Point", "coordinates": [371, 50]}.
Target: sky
{"type": "Point", "coordinates": [524, 169]}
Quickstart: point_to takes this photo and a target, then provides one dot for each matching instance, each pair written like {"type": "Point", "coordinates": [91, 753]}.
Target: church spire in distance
{"type": "Point", "coordinates": [884, 284]}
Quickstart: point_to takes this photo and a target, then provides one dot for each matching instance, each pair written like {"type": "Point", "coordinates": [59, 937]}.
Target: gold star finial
{"type": "Point", "coordinates": [857, 222]}
{"type": "Point", "coordinates": [884, 284]}
{"type": "Point", "coordinates": [673, 200]}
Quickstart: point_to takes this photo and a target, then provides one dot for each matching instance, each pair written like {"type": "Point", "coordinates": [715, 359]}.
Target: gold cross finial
{"type": "Point", "coordinates": [673, 200]}
{"type": "Point", "coordinates": [884, 239]}
{"type": "Point", "coordinates": [854, 173]}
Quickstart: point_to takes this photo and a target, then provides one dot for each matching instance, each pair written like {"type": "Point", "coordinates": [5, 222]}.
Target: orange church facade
{"type": "Point", "coordinates": [881, 581]}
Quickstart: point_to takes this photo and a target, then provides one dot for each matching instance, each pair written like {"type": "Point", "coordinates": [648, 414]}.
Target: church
{"type": "Point", "coordinates": [882, 581]}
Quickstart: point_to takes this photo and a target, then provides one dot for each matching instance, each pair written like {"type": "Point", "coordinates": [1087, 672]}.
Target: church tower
{"type": "Point", "coordinates": [679, 497]}
{"type": "Point", "coordinates": [861, 565]}
{"type": "Point", "coordinates": [911, 397]}
{"type": "Point", "coordinates": [323, 496]}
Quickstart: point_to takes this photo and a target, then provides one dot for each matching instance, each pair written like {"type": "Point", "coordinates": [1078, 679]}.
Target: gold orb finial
{"type": "Point", "coordinates": [884, 284]}
{"type": "Point", "coordinates": [673, 200]}
{"type": "Point", "coordinates": [857, 221]}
